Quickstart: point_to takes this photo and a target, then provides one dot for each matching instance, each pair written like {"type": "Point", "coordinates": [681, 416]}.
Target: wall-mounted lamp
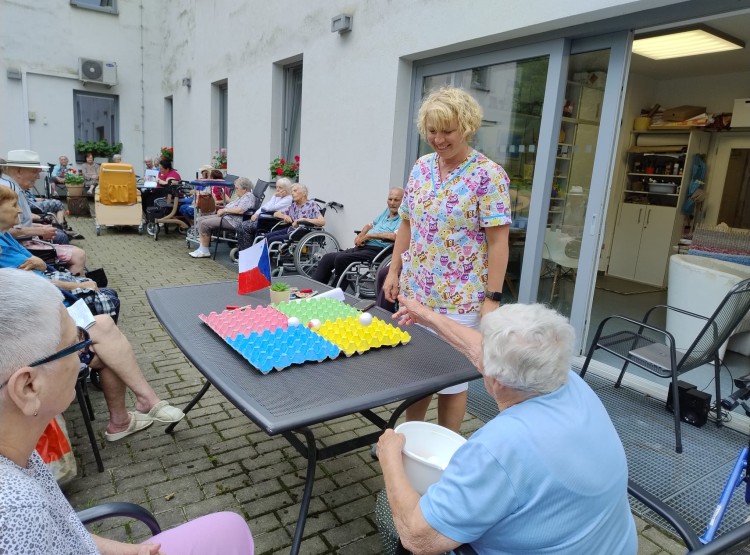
{"type": "Point", "coordinates": [186, 82]}
{"type": "Point", "coordinates": [341, 23]}
{"type": "Point", "coordinates": [684, 41]}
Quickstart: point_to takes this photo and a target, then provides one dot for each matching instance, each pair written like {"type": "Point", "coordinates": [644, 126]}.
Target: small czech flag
{"type": "Point", "coordinates": [255, 268]}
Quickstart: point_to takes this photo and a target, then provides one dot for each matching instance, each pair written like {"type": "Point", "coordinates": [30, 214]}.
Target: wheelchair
{"type": "Point", "coordinates": [362, 275]}
{"type": "Point", "coordinates": [163, 212]}
{"type": "Point", "coordinates": [303, 248]}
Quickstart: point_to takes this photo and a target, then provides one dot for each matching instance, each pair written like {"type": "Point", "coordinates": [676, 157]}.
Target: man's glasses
{"type": "Point", "coordinates": [83, 344]}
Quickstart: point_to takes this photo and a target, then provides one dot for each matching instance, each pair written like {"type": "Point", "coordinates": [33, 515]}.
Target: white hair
{"type": "Point", "coordinates": [284, 183]}
{"type": "Point", "coordinates": [302, 188]}
{"type": "Point", "coordinates": [30, 325]}
{"type": "Point", "coordinates": [243, 183]}
{"type": "Point", "coordinates": [527, 347]}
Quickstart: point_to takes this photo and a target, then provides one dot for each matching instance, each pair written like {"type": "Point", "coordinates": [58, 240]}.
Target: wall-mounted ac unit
{"type": "Point", "coordinates": [96, 71]}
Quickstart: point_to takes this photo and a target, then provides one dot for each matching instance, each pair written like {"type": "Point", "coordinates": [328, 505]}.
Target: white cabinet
{"type": "Point", "coordinates": [643, 235]}
{"type": "Point", "coordinates": [649, 221]}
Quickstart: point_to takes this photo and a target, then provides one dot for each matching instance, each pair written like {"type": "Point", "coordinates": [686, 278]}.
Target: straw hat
{"type": "Point", "coordinates": [24, 159]}
{"type": "Point", "coordinates": [205, 167]}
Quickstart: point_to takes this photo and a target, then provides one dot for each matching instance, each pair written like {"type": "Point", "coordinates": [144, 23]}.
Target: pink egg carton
{"type": "Point", "coordinates": [246, 320]}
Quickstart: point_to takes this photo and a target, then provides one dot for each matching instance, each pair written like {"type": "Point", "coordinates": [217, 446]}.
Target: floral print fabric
{"type": "Point", "coordinates": [446, 264]}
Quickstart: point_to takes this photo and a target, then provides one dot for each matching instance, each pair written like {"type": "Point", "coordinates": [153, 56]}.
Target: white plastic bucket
{"type": "Point", "coordinates": [427, 452]}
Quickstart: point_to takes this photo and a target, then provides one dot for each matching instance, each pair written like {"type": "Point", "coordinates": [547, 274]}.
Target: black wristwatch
{"type": "Point", "coordinates": [493, 296]}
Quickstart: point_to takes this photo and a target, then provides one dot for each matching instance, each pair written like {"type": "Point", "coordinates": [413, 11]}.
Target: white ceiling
{"type": "Point", "coordinates": [737, 26]}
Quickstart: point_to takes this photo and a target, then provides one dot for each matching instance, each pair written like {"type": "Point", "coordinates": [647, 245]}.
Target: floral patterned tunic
{"type": "Point", "coordinates": [445, 266]}
{"type": "Point", "coordinates": [35, 517]}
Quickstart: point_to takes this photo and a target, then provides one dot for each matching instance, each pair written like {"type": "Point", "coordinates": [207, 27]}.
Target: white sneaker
{"type": "Point", "coordinates": [200, 254]}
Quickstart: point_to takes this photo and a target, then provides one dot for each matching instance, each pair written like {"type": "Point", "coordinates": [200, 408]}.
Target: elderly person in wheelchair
{"type": "Point", "coordinates": [263, 219]}
{"type": "Point", "coordinates": [229, 217]}
{"type": "Point", "coordinates": [547, 474]}
{"type": "Point", "coordinates": [371, 240]}
{"type": "Point", "coordinates": [39, 365]}
{"type": "Point", "coordinates": [301, 212]}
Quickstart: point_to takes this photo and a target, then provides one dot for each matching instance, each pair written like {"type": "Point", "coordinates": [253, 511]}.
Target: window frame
{"type": "Point", "coordinates": [115, 123]}
{"type": "Point", "coordinates": [112, 10]}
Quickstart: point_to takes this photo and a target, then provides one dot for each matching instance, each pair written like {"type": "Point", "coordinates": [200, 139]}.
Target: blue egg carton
{"type": "Point", "coordinates": [279, 349]}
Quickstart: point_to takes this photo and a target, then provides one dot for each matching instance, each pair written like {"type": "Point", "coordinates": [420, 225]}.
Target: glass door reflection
{"type": "Point", "coordinates": [512, 96]}
{"type": "Point", "coordinates": [574, 164]}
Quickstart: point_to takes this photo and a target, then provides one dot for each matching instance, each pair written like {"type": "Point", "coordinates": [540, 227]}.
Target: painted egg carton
{"type": "Point", "coordinates": [323, 309]}
{"type": "Point", "coordinates": [351, 336]}
{"type": "Point", "coordinates": [245, 321]}
{"type": "Point", "coordinates": [281, 348]}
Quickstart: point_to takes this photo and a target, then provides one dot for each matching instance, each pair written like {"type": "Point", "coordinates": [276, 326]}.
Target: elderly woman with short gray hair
{"type": "Point", "coordinates": [279, 202]}
{"type": "Point", "coordinates": [547, 474]}
{"type": "Point", "coordinates": [229, 217]}
{"type": "Point", "coordinates": [302, 211]}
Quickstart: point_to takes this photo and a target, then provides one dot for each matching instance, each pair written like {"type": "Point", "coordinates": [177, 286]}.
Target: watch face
{"type": "Point", "coordinates": [493, 295]}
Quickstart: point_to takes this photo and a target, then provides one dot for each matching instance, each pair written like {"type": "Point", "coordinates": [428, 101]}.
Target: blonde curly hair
{"type": "Point", "coordinates": [446, 106]}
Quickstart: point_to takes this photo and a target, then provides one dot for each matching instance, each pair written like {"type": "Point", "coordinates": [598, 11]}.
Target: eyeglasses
{"type": "Point", "coordinates": [83, 344]}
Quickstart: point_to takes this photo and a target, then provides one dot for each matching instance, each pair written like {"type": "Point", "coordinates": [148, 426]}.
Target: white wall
{"type": "Point", "coordinates": [356, 87]}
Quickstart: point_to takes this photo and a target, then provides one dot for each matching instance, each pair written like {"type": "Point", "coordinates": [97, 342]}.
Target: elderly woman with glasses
{"type": "Point", "coordinates": [547, 475]}
{"type": "Point", "coordinates": [38, 371]}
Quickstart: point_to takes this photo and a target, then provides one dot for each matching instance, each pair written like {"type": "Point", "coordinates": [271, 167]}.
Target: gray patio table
{"type": "Point", "coordinates": [291, 401]}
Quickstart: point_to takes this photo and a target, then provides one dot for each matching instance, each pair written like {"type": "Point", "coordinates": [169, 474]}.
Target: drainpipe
{"type": "Point", "coordinates": [143, 94]}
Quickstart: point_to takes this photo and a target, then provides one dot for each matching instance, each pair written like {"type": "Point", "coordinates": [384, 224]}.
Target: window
{"type": "Point", "coordinates": [168, 121]}
{"type": "Point", "coordinates": [107, 6]}
{"type": "Point", "coordinates": [96, 117]}
{"type": "Point", "coordinates": [292, 110]}
{"type": "Point", "coordinates": [219, 114]}
{"type": "Point", "coordinates": [223, 114]}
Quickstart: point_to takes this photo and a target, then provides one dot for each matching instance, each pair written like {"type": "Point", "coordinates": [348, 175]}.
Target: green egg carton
{"type": "Point", "coordinates": [323, 309]}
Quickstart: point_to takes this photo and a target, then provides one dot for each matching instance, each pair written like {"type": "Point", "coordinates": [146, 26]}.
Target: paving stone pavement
{"type": "Point", "coordinates": [217, 459]}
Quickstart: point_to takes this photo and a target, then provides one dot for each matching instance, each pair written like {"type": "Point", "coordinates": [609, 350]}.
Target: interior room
{"type": "Point", "coordinates": [653, 211]}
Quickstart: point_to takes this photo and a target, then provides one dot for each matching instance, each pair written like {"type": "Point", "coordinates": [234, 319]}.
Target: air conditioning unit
{"type": "Point", "coordinates": [96, 71]}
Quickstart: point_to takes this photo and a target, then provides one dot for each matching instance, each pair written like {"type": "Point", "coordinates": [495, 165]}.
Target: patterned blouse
{"type": "Point", "coordinates": [245, 202]}
{"type": "Point", "coordinates": [445, 266]}
{"type": "Point", "coordinates": [310, 210]}
{"type": "Point", "coordinates": [35, 517]}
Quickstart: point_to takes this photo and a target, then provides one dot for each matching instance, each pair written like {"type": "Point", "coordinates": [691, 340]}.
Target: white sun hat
{"type": "Point", "coordinates": [24, 159]}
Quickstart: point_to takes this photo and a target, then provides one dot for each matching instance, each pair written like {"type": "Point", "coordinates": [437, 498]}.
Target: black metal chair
{"type": "Point", "coordinates": [120, 509]}
{"type": "Point", "coordinates": [734, 539]}
{"type": "Point", "coordinates": [653, 349]}
{"type": "Point", "coordinates": [82, 396]}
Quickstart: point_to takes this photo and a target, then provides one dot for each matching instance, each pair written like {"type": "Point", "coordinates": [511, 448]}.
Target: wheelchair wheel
{"type": "Point", "coordinates": [234, 254]}
{"type": "Point", "coordinates": [151, 228]}
{"type": "Point", "coordinates": [311, 248]}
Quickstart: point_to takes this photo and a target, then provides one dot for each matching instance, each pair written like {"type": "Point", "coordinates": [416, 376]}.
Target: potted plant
{"type": "Point", "coordinates": [280, 292]}
{"type": "Point", "coordinates": [100, 149]}
{"type": "Point", "coordinates": [285, 168]}
{"type": "Point", "coordinates": [73, 182]}
{"type": "Point", "coordinates": [220, 159]}
{"type": "Point", "coordinates": [167, 153]}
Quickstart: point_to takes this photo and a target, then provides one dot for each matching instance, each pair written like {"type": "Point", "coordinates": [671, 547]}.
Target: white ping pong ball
{"type": "Point", "coordinates": [293, 321]}
{"type": "Point", "coordinates": [314, 324]}
{"type": "Point", "coordinates": [365, 318]}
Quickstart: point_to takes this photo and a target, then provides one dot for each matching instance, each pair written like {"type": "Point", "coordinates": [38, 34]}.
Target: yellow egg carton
{"type": "Point", "coordinates": [351, 336]}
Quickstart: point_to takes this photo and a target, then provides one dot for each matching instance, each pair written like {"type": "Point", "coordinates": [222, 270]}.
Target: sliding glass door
{"type": "Point", "coordinates": [550, 117]}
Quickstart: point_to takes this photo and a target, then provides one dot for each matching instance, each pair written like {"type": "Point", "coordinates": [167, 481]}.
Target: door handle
{"type": "Point", "coordinates": [648, 216]}
{"type": "Point", "coordinates": [640, 211]}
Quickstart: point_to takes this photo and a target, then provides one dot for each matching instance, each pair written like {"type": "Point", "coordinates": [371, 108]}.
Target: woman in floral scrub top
{"type": "Point", "coordinates": [452, 245]}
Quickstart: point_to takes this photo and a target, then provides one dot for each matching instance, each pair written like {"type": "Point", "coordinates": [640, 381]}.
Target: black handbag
{"type": "Point", "coordinates": [98, 276]}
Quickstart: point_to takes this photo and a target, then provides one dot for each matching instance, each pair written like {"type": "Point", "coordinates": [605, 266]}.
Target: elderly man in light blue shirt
{"type": "Point", "coordinates": [374, 237]}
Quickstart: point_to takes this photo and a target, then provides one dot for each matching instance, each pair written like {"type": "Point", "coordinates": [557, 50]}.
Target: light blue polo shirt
{"type": "Point", "coordinates": [384, 223]}
{"type": "Point", "coordinates": [548, 475]}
